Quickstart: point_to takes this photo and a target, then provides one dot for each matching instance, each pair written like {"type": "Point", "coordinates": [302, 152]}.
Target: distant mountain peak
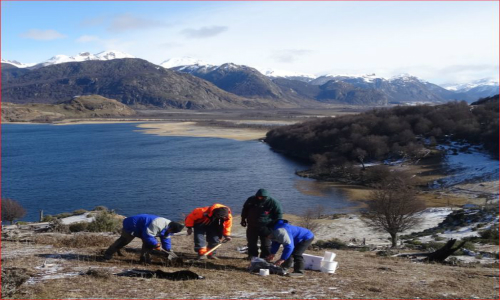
{"type": "Point", "coordinates": [16, 63]}
{"type": "Point", "coordinates": [470, 85]}
{"type": "Point", "coordinates": [185, 61]}
{"type": "Point", "coordinates": [285, 74]}
{"type": "Point", "coordinates": [84, 56]}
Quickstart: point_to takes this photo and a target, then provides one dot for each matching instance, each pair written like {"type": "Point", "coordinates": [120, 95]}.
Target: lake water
{"type": "Point", "coordinates": [64, 168]}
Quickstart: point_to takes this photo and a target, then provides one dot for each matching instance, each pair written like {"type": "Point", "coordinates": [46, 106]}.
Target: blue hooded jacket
{"type": "Point", "coordinates": [148, 227]}
{"type": "Point", "coordinates": [289, 236]}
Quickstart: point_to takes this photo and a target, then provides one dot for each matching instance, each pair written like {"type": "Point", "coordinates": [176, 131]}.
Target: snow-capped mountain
{"type": "Point", "coordinates": [183, 62]}
{"type": "Point", "coordinates": [474, 90]}
{"type": "Point", "coordinates": [274, 73]}
{"type": "Point", "coordinates": [463, 87]}
{"type": "Point", "coordinates": [16, 64]}
{"type": "Point", "coordinates": [83, 56]}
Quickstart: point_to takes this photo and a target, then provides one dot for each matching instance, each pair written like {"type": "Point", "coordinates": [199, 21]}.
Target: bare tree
{"type": "Point", "coordinates": [12, 210]}
{"type": "Point", "coordinates": [308, 220]}
{"type": "Point", "coordinates": [393, 206]}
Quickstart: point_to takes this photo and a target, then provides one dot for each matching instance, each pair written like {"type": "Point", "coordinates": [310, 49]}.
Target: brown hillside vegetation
{"type": "Point", "coordinates": [62, 266]}
{"type": "Point", "coordinates": [79, 107]}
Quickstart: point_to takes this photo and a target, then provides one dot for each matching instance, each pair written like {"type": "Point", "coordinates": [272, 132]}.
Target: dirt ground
{"type": "Point", "coordinates": [58, 273]}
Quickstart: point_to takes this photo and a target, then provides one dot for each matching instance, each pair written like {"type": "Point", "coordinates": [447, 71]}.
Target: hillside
{"type": "Point", "coordinates": [131, 81]}
{"type": "Point", "coordinates": [79, 107]}
{"type": "Point", "coordinates": [62, 265]}
{"type": "Point", "coordinates": [248, 82]}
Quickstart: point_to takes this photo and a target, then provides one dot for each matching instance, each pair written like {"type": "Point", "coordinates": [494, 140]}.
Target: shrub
{"type": "Point", "coordinates": [12, 278]}
{"type": "Point", "coordinates": [331, 244]}
{"type": "Point", "coordinates": [100, 208]}
{"type": "Point", "coordinates": [79, 212]}
{"type": "Point", "coordinates": [75, 240]}
{"type": "Point", "coordinates": [12, 210]}
{"type": "Point", "coordinates": [490, 234]}
{"type": "Point", "coordinates": [58, 226]}
{"type": "Point", "coordinates": [48, 218]}
{"type": "Point", "coordinates": [63, 215]}
{"type": "Point", "coordinates": [78, 227]}
{"type": "Point", "coordinates": [104, 222]}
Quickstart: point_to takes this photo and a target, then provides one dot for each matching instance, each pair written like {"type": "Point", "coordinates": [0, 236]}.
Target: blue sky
{"type": "Point", "coordinates": [438, 41]}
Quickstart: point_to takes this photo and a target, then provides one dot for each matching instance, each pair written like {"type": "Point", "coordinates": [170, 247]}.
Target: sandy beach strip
{"type": "Point", "coordinates": [193, 130]}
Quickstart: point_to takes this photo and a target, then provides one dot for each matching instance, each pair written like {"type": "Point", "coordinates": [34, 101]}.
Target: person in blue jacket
{"type": "Point", "coordinates": [295, 241]}
{"type": "Point", "coordinates": [146, 227]}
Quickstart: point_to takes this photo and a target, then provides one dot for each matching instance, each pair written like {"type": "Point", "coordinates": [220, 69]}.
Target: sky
{"type": "Point", "coordinates": [441, 42]}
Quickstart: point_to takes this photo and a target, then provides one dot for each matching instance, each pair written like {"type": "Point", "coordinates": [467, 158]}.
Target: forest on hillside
{"type": "Point", "coordinates": [400, 132]}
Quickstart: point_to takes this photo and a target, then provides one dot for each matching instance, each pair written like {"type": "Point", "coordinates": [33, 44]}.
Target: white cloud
{"type": "Point", "coordinates": [290, 55]}
{"type": "Point", "coordinates": [127, 22]}
{"type": "Point", "coordinates": [88, 39]}
{"type": "Point", "coordinates": [42, 35]}
{"type": "Point", "coordinates": [204, 32]}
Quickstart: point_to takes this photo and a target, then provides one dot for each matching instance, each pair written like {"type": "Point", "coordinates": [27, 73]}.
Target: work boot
{"type": "Point", "coordinates": [107, 256]}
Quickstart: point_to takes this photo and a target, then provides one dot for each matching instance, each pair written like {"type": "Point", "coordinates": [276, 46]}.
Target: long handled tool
{"type": "Point", "coordinates": [212, 250]}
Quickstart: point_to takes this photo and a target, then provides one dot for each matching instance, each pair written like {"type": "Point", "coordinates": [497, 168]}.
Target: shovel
{"type": "Point", "coordinates": [171, 255]}
{"type": "Point", "coordinates": [214, 248]}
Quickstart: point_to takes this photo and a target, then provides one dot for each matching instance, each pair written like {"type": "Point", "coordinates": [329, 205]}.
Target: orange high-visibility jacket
{"type": "Point", "coordinates": [202, 215]}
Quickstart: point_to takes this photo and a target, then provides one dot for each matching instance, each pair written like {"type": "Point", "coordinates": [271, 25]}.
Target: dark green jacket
{"type": "Point", "coordinates": [261, 212]}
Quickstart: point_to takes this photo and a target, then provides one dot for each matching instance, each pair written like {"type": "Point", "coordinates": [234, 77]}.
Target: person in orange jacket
{"type": "Point", "coordinates": [213, 221]}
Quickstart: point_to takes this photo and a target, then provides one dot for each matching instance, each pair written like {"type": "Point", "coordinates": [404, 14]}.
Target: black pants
{"type": "Point", "coordinates": [296, 258]}
{"type": "Point", "coordinates": [252, 239]}
{"type": "Point", "coordinates": [125, 239]}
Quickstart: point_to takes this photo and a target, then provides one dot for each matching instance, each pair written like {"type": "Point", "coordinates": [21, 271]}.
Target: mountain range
{"type": "Point", "coordinates": [189, 83]}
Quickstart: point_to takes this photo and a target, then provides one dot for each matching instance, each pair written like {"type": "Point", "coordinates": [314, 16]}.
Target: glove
{"type": "Point", "coordinates": [243, 223]}
{"type": "Point", "coordinates": [189, 231]}
{"type": "Point", "coordinates": [171, 254]}
{"type": "Point", "coordinates": [279, 262]}
{"type": "Point", "coordinates": [157, 247]}
{"type": "Point", "coordinates": [270, 257]}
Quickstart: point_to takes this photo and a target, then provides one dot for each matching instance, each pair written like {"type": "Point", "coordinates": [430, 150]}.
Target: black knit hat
{"type": "Point", "coordinates": [220, 213]}
{"type": "Point", "coordinates": [175, 227]}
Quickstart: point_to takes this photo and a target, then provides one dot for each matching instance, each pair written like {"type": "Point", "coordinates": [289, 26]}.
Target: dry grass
{"type": "Point", "coordinates": [360, 275]}
{"type": "Point", "coordinates": [78, 240]}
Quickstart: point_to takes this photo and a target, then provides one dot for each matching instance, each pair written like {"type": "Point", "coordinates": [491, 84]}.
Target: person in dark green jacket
{"type": "Point", "coordinates": [259, 211]}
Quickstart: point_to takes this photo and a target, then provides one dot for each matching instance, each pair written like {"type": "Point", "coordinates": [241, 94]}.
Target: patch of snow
{"type": "Point", "coordinates": [183, 61]}
{"type": "Point", "coordinates": [282, 73]}
{"type": "Point", "coordinates": [17, 64]}
{"type": "Point", "coordinates": [406, 78]}
{"type": "Point", "coordinates": [471, 166]}
{"type": "Point", "coordinates": [84, 56]}
{"type": "Point", "coordinates": [112, 54]}
{"type": "Point", "coordinates": [464, 87]}
{"type": "Point", "coordinates": [78, 218]}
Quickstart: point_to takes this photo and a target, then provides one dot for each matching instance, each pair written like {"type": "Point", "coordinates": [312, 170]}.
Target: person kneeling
{"type": "Point", "coordinates": [146, 227]}
{"type": "Point", "coordinates": [295, 241]}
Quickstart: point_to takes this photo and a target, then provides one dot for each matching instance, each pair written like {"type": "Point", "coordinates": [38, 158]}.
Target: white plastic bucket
{"type": "Point", "coordinates": [312, 262]}
{"type": "Point", "coordinates": [328, 266]}
{"type": "Point", "coordinates": [263, 272]}
{"type": "Point", "coordinates": [329, 256]}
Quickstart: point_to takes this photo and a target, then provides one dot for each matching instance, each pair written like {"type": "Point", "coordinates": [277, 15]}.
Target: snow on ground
{"type": "Point", "coordinates": [473, 165]}
{"type": "Point", "coordinates": [352, 228]}
{"type": "Point", "coordinates": [78, 218]}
